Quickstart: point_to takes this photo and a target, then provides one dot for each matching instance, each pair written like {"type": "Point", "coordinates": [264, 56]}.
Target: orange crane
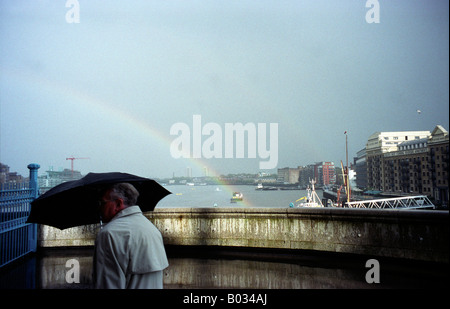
{"type": "Point", "coordinates": [73, 158]}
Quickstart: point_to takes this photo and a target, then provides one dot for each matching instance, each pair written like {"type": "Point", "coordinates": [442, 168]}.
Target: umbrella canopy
{"type": "Point", "coordinates": [75, 203]}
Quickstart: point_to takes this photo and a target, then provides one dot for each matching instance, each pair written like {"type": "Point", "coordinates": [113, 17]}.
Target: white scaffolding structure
{"type": "Point", "coordinates": [408, 202]}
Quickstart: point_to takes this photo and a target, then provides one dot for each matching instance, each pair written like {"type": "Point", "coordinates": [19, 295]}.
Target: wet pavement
{"type": "Point", "coordinates": [195, 268]}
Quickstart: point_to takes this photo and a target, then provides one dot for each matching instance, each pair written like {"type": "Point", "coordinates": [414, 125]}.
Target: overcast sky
{"type": "Point", "coordinates": [111, 86]}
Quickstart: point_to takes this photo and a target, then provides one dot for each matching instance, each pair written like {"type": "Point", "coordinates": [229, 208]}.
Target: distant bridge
{"type": "Point", "coordinates": [408, 202]}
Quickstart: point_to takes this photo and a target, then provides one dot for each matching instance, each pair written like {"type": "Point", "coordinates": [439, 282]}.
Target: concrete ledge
{"type": "Point", "coordinates": [82, 236]}
{"type": "Point", "coordinates": [409, 234]}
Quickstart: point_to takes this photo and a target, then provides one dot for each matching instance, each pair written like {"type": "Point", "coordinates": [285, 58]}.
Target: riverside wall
{"type": "Point", "coordinates": [409, 234]}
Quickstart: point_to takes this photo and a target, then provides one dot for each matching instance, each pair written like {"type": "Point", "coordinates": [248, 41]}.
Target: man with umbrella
{"type": "Point", "coordinates": [129, 250]}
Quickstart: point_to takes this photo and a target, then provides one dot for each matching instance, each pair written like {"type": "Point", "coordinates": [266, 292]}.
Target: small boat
{"type": "Point", "coordinates": [270, 189]}
{"type": "Point", "coordinates": [260, 187]}
{"type": "Point", "coordinates": [237, 197]}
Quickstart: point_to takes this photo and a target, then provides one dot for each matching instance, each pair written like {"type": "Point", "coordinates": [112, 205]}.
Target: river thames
{"type": "Point", "coordinates": [220, 196]}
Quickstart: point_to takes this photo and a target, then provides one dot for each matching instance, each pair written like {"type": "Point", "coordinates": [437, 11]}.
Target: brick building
{"type": "Point", "coordinates": [409, 162]}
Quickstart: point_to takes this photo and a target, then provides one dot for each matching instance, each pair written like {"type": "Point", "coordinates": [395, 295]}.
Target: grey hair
{"type": "Point", "coordinates": [127, 192]}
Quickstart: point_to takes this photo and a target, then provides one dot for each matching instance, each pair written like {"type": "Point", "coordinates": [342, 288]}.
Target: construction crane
{"type": "Point", "coordinates": [71, 165]}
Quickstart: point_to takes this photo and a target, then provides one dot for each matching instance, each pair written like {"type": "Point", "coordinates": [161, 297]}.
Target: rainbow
{"type": "Point", "coordinates": [112, 112]}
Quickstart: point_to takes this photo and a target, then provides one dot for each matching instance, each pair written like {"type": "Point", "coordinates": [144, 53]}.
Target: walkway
{"type": "Point", "coordinates": [226, 268]}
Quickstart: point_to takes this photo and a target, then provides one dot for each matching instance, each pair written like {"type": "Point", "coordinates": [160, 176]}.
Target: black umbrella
{"type": "Point", "coordinates": [75, 202]}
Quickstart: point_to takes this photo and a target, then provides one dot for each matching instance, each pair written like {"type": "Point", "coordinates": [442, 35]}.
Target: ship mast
{"type": "Point", "coordinates": [347, 177]}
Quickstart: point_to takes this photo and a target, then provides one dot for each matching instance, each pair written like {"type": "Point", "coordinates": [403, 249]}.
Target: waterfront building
{"type": "Point", "coordinates": [7, 177]}
{"type": "Point", "coordinates": [413, 162]}
{"type": "Point", "coordinates": [265, 178]}
{"type": "Point", "coordinates": [188, 172]}
{"type": "Point", "coordinates": [323, 172]}
{"type": "Point", "coordinates": [339, 176]}
{"type": "Point", "coordinates": [360, 168]}
{"type": "Point", "coordinates": [54, 178]}
{"type": "Point", "coordinates": [306, 174]}
{"type": "Point", "coordinates": [326, 173]}
{"type": "Point", "coordinates": [439, 163]}
{"type": "Point", "coordinates": [288, 175]}
{"type": "Point", "coordinates": [381, 143]}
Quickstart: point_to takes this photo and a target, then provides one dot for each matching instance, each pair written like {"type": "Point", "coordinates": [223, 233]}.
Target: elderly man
{"type": "Point", "coordinates": [129, 250]}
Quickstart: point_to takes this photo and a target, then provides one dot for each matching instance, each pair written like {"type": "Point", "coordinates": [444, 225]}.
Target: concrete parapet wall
{"type": "Point", "coordinates": [82, 236]}
{"type": "Point", "coordinates": [415, 234]}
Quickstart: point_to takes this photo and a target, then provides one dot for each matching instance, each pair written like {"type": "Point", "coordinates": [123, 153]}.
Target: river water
{"type": "Point", "coordinates": [220, 196]}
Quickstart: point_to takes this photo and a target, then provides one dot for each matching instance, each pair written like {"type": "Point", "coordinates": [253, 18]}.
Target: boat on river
{"type": "Point", "coordinates": [311, 198]}
{"type": "Point", "coordinates": [237, 197]}
{"type": "Point", "coordinates": [260, 187]}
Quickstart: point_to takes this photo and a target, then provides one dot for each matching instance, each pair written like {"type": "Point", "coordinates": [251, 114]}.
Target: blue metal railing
{"type": "Point", "coordinates": [17, 238]}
